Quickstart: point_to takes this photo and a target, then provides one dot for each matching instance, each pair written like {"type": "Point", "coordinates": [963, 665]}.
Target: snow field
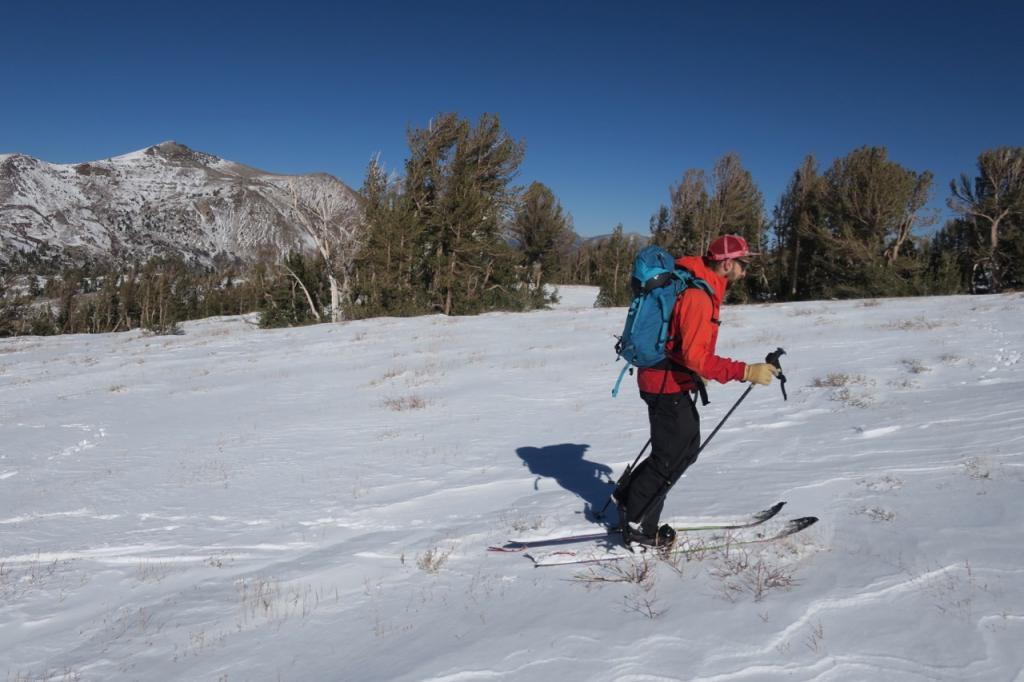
{"type": "Point", "coordinates": [315, 503]}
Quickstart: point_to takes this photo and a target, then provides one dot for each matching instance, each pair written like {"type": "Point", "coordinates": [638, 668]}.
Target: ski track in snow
{"type": "Point", "coordinates": [315, 503]}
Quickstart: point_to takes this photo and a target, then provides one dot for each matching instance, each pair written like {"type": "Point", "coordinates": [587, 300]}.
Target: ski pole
{"type": "Point", "coordinates": [625, 474]}
{"type": "Point", "coordinates": [773, 359]}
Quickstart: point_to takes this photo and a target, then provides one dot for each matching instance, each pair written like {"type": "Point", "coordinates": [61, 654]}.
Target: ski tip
{"type": "Point", "coordinates": [803, 522]}
{"type": "Point", "coordinates": [769, 512]}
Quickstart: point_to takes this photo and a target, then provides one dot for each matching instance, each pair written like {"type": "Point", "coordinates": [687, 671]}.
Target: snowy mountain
{"type": "Point", "coordinates": [642, 239]}
{"type": "Point", "coordinates": [162, 199]}
{"type": "Point", "coordinates": [316, 503]}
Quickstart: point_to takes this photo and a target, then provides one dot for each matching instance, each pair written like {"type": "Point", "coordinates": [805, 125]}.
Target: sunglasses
{"type": "Point", "coordinates": [744, 262]}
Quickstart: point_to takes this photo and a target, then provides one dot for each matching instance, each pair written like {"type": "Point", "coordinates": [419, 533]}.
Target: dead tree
{"type": "Point", "coordinates": [330, 215]}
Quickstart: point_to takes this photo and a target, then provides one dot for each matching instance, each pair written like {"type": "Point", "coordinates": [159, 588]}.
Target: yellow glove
{"type": "Point", "coordinates": [760, 373]}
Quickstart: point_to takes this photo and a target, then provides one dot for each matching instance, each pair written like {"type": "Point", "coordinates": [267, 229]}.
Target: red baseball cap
{"type": "Point", "coordinates": [729, 246]}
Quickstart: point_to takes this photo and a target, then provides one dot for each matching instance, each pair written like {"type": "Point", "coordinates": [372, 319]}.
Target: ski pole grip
{"type": "Point", "coordinates": [773, 359]}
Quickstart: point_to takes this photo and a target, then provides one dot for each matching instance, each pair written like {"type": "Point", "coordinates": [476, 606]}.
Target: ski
{"type": "Point", "coordinates": [689, 546]}
{"type": "Point", "coordinates": [611, 533]}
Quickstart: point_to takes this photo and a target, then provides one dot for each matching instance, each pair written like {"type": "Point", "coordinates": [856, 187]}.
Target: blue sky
{"type": "Point", "coordinates": [614, 100]}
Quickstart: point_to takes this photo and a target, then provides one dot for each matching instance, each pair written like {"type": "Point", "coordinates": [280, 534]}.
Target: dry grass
{"type": "Point", "coordinates": [837, 380]}
{"type": "Point", "coordinates": [813, 640]}
{"type": "Point", "coordinates": [391, 373]}
{"type": "Point", "coordinates": [264, 599]}
{"type": "Point", "coordinates": [65, 675]}
{"type": "Point", "coordinates": [15, 347]}
{"type": "Point", "coordinates": [915, 366]}
{"type": "Point", "coordinates": [434, 559]}
{"type": "Point", "coordinates": [851, 399]}
{"type": "Point", "coordinates": [978, 469]}
{"type": "Point", "coordinates": [19, 579]}
{"type": "Point", "coordinates": [875, 513]}
{"type": "Point", "coordinates": [807, 312]}
{"type": "Point", "coordinates": [736, 570]}
{"type": "Point", "coordinates": [884, 484]}
{"type": "Point", "coordinates": [638, 571]}
{"type": "Point", "coordinates": [919, 323]}
{"type": "Point", "coordinates": [520, 523]}
{"type": "Point", "coordinates": [154, 571]}
{"type": "Point", "coordinates": [953, 359]}
{"type": "Point", "coordinates": [410, 402]}
{"type": "Point", "coordinates": [843, 385]}
{"type": "Point", "coordinates": [742, 572]}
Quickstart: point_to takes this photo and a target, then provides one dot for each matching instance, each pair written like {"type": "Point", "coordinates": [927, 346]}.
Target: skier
{"type": "Point", "coordinates": [668, 390]}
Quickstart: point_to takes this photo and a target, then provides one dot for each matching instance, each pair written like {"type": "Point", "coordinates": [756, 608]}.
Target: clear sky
{"type": "Point", "coordinates": [613, 99]}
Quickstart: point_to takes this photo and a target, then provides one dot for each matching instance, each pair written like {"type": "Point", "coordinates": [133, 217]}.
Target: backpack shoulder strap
{"type": "Point", "coordinates": [691, 281]}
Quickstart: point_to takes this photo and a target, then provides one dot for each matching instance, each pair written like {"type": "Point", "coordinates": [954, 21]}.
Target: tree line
{"type": "Point", "coordinates": [450, 233]}
{"type": "Point", "coordinates": [51, 297]}
{"type": "Point", "coordinates": [852, 230]}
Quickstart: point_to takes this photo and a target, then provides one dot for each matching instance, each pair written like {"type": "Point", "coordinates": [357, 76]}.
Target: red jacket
{"type": "Point", "coordinates": [693, 333]}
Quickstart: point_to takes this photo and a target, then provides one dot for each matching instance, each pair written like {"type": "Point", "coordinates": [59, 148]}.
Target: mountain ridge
{"type": "Point", "coordinates": [166, 199]}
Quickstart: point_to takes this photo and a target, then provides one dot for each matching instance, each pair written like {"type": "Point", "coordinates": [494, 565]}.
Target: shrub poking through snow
{"type": "Point", "coordinates": [434, 559]}
{"type": "Point", "coordinates": [841, 388]}
{"type": "Point", "coordinates": [409, 402]}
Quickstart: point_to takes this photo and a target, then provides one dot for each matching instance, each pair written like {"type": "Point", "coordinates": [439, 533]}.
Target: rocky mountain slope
{"type": "Point", "coordinates": [165, 199]}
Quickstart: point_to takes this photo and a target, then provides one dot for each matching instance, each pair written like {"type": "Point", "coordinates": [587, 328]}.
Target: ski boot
{"type": "Point", "coordinates": [661, 539]}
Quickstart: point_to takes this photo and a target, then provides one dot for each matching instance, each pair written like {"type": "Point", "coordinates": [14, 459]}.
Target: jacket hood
{"type": "Point", "coordinates": [695, 264]}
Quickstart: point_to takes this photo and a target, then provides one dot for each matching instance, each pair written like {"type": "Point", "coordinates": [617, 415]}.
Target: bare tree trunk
{"type": "Point", "coordinates": [336, 312]}
{"type": "Point", "coordinates": [309, 299]}
{"type": "Point", "coordinates": [795, 271]}
{"type": "Point", "coordinates": [902, 235]}
{"type": "Point", "coordinates": [331, 222]}
{"type": "Point", "coordinates": [997, 283]}
{"type": "Point", "coordinates": [993, 231]}
{"type": "Point", "coordinates": [994, 235]}
{"type": "Point", "coordinates": [449, 285]}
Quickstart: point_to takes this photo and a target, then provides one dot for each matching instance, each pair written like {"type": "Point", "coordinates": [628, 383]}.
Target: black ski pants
{"type": "Point", "coordinates": [675, 441]}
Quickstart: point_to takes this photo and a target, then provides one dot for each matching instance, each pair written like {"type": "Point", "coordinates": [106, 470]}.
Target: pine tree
{"type": "Point", "coordinates": [991, 209]}
{"type": "Point", "coordinates": [457, 180]}
{"type": "Point", "coordinates": [615, 257]}
{"type": "Point", "coordinates": [544, 233]}
{"type": "Point", "coordinates": [687, 230]}
{"type": "Point", "coordinates": [799, 228]}
{"type": "Point", "coordinates": [736, 205]}
{"type": "Point", "coordinates": [872, 206]}
{"type": "Point", "coordinates": [699, 214]}
{"type": "Point", "coordinates": [390, 269]}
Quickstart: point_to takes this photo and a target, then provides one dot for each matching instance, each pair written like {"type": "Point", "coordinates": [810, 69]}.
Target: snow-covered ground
{"type": "Point", "coordinates": [315, 504]}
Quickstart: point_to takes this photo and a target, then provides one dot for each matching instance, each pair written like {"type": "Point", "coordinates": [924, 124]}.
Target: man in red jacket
{"type": "Point", "coordinates": [668, 389]}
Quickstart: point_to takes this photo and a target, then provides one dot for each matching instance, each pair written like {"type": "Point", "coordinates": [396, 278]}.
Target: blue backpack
{"type": "Point", "coordinates": [657, 282]}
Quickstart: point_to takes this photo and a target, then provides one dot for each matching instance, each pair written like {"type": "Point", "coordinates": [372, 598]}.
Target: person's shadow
{"type": "Point", "coordinates": [565, 463]}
